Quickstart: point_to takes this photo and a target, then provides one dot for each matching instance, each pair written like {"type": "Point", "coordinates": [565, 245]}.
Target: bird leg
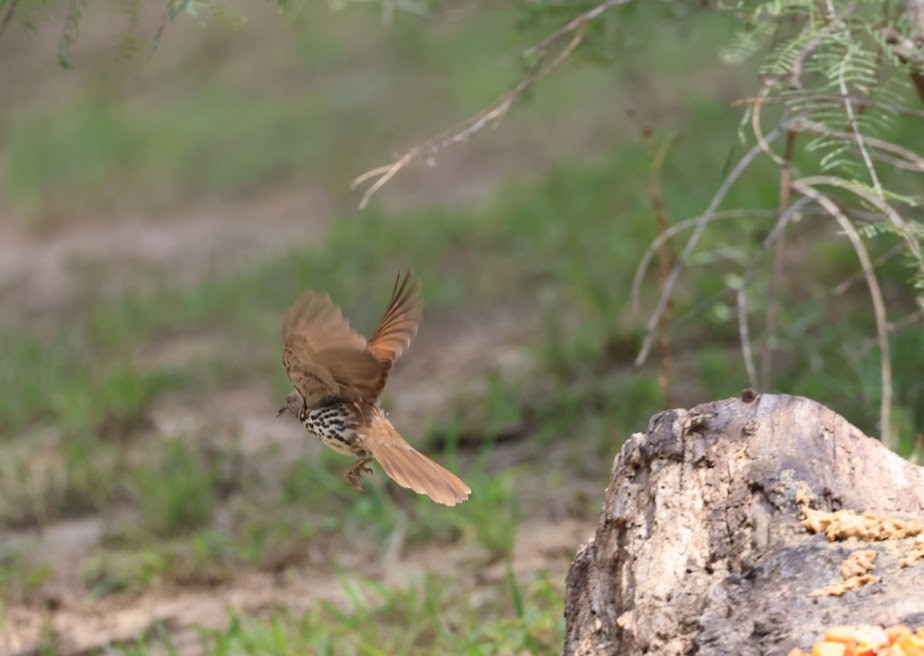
{"type": "Point", "coordinates": [354, 472]}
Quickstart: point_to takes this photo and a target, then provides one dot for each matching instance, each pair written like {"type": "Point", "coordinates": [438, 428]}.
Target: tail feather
{"type": "Point", "coordinates": [411, 469]}
{"type": "Point", "coordinates": [405, 465]}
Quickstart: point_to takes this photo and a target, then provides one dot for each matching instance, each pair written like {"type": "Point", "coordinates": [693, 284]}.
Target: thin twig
{"type": "Point", "coordinates": [894, 161]}
{"type": "Point", "coordinates": [655, 245]}
{"type": "Point", "coordinates": [668, 290]}
{"type": "Point", "coordinates": [493, 114]}
{"type": "Point", "coordinates": [843, 287]}
{"type": "Point", "coordinates": [906, 231]}
{"type": "Point", "coordinates": [8, 16]}
{"type": "Point", "coordinates": [879, 310]}
{"type": "Point", "coordinates": [776, 275]}
{"type": "Point", "coordinates": [658, 156]}
{"type": "Point", "coordinates": [665, 256]}
{"type": "Point", "coordinates": [784, 218]}
{"type": "Point", "coordinates": [751, 269]}
{"type": "Point", "coordinates": [759, 133]}
{"type": "Point", "coordinates": [452, 137]}
{"type": "Point", "coordinates": [911, 319]}
{"type": "Point", "coordinates": [574, 24]}
{"type": "Point", "coordinates": [741, 300]}
{"type": "Point", "coordinates": [744, 335]}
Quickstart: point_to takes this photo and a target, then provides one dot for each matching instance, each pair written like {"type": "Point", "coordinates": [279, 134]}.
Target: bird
{"type": "Point", "coordinates": [338, 377]}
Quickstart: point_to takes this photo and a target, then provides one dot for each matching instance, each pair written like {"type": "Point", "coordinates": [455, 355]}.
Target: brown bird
{"type": "Point", "coordinates": [338, 377]}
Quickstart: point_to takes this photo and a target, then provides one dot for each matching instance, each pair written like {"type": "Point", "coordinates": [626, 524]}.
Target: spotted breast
{"type": "Point", "coordinates": [336, 426]}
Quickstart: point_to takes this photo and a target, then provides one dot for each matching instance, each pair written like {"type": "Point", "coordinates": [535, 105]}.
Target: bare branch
{"type": "Point", "coordinates": [574, 24]}
{"type": "Point", "coordinates": [879, 310]}
{"type": "Point", "coordinates": [783, 220]}
{"type": "Point", "coordinates": [668, 290]}
{"type": "Point", "coordinates": [912, 318]}
{"type": "Point", "coordinates": [785, 217]}
{"type": "Point", "coordinates": [776, 276]}
{"type": "Point", "coordinates": [665, 256]}
{"type": "Point", "coordinates": [759, 133]}
{"type": "Point", "coordinates": [493, 114]}
{"type": "Point", "coordinates": [906, 231]}
{"type": "Point", "coordinates": [754, 261]}
{"type": "Point", "coordinates": [671, 232]}
{"type": "Point", "coordinates": [843, 287]}
{"type": "Point", "coordinates": [8, 16]}
{"type": "Point", "coordinates": [744, 335]}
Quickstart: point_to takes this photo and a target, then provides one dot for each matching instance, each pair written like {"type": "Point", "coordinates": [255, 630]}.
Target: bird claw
{"type": "Point", "coordinates": [354, 478]}
{"type": "Point", "coordinates": [354, 474]}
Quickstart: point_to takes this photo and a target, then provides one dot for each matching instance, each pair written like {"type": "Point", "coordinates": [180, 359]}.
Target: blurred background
{"type": "Point", "coordinates": [158, 212]}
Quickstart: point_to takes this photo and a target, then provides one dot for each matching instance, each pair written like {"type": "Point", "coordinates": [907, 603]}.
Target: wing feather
{"type": "Point", "coordinates": [323, 355]}
{"type": "Point", "coordinates": [400, 321]}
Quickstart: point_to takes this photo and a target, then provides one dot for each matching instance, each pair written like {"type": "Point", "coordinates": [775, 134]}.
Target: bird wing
{"type": "Point", "coordinates": [405, 465]}
{"type": "Point", "coordinates": [324, 356]}
{"type": "Point", "coordinates": [399, 323]}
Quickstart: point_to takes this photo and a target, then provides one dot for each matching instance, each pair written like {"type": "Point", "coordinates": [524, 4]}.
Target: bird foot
{"type": "Point", "coordinates": [354, 473]}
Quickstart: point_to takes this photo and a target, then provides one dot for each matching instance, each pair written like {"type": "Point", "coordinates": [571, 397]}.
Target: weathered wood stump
{"type": "Point", "coordinates": [701, 547]}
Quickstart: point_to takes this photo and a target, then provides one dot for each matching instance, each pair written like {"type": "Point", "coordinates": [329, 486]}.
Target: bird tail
{"type": "Point", "coordinates": [411, 469]}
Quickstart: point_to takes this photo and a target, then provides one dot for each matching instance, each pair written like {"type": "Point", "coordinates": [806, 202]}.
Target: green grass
{"type": "Point", "coordinates": [433, 616]}
{"type": "Point", "coordinates": [176, 494]}
{"type": "Point", "coordinates": [19, 576]}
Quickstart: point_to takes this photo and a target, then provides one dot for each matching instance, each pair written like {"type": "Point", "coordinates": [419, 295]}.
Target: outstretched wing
{"type": "Point", "coordinates": [400, 322]}
{"type": "Point", "coordinates": [323, 356]}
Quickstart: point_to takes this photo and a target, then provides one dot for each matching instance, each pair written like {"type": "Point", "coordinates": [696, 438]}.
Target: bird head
{"type": "Point", "coordinates": [294, 404]}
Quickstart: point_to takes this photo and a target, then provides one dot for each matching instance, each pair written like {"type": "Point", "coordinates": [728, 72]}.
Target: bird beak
{"type": "Point", "coordinates": [281, 410]}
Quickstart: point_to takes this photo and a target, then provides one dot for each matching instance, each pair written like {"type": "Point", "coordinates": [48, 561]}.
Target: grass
{"type": "Point", "coordinates": [178, 493]}
{"type": "Point", "coordinates": [508, 617]}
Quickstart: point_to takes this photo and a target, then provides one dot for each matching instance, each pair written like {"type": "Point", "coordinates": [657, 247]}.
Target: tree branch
{"type": "Point", "coordinates": [493, 114]}
{"type": "Point", "coordinates": [879, 310]}
{"type": "Point", "coordinates": [8, 16]}
{"type": "Point", "coordinates": [776, 275]}
{"type": "Point", "coordinates": [668, 291]}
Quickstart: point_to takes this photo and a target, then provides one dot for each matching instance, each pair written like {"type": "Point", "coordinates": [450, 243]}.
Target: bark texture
{"type": "Point", "coordinates": [700, 547]}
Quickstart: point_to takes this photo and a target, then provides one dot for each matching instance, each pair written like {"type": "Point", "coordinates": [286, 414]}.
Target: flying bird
{"type": "Point", "coordinates": [338, 377]}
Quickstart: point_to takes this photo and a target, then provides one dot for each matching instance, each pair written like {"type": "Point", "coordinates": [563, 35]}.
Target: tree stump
{"type": "Point", "coordinates": [701, 547]}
